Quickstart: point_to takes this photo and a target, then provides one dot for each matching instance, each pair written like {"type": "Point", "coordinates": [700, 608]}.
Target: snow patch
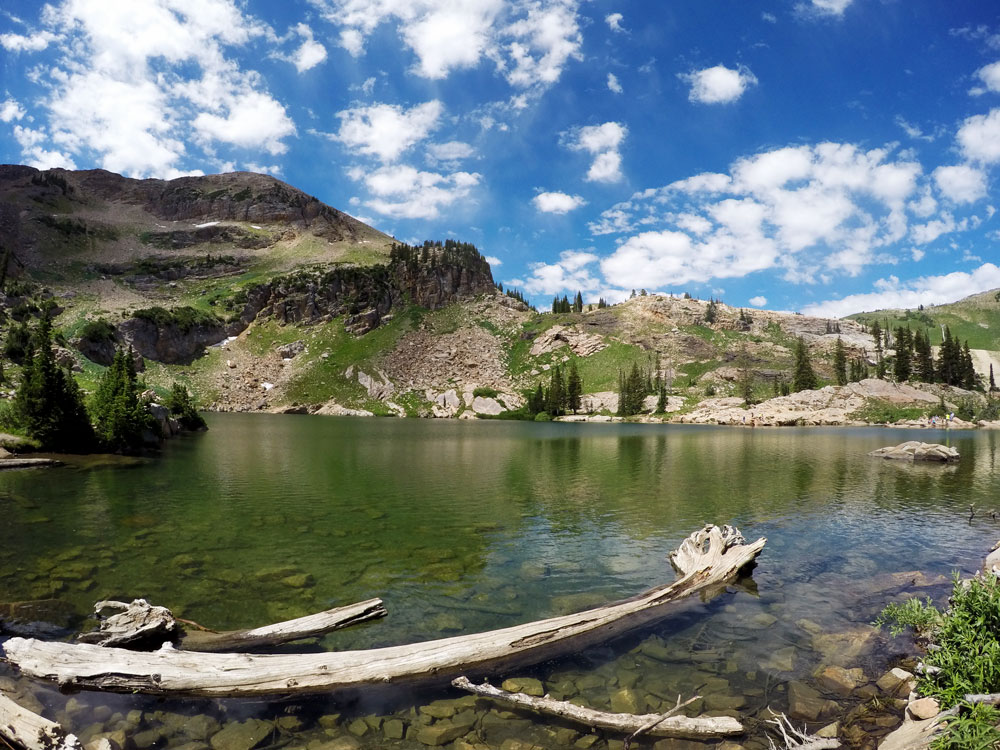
{"type": "Point", "coordinates": [206, 224]}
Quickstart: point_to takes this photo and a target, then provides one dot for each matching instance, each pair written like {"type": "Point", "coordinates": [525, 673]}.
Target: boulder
{"type": "Point", "coordinates": [806, 703]}
{"type": "Point", "coordinates": [840, 681]}
{"type": "Point", "coordinates": [914, 450]}
{"type": "Point", "coordinates": [292, 350]}
{"type": "Point", "coordinates": [242, 735]}
{"type": "Point", "coordinates": [923, 708]}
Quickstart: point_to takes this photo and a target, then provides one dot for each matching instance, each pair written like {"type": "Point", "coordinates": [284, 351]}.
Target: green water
{"type": "Point", "coordinates": [467, 526]}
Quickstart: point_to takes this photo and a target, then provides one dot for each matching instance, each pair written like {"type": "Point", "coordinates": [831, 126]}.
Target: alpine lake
{"type": "Point", "coordinates": [462, 527]}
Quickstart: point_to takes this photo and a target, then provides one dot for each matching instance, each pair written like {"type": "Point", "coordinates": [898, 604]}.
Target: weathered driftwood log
{"type": "Point", "coordinates": [141, 622]}
{"type": "Point", "coordinates": [137, 621]}
{"type": "Point", "coordinates": [796, 740]}
{"type": "Point", "coordinates": [283, 632]}
{"type": "Point", "coordinates": [31, 731]}
{"type": "Point", "coordinates": [708, 558]}
{"type": "Point", "coordinates": [698, 727]}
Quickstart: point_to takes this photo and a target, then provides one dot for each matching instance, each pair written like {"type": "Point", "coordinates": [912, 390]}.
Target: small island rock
{"type": "Point", "coordinates": [914, 450]}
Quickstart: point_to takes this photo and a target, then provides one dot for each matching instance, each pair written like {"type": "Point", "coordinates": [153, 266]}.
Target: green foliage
{"type": "Point", "coordinates": [804, 378]}
{"type": "Point", "coordinates": [120, 417]}
{"type": "Point", "coordinates": [574, 388]}
{"type": "Point", "coordinates": [920, 616]}
{"type": "Point", "coordinates": [632, 391]}
{"type": "Point", "coordinates": [710, 390]}
{"type": "Point", "coordinates": [543, 416]}
{"type": "Point", "coordinates": [181, 406]}
{"type": "Point", "coordinates": [975, 728]}
{"type": "Point", "coordinates": [97, 331]}
{"type": "Point", "coordinates": [485, 392]}
{"type": "Point", "coordinates": [711, 312]}
{"type": "Point", "coordinates": [184, 318]}
{"type": "Point", "coordinates": [48, 405]}
{"type": "Point", "coordinates": [877, 411]}
{"type": "Point", "coordinates": [17, 343]}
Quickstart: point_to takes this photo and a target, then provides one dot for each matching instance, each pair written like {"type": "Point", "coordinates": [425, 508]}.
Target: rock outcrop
{"type": "Point", "coordinates": [914, 450]}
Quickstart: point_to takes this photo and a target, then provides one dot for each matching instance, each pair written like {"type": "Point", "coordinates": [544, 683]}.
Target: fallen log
{"type": "Point", "coordinates": [699, 727]}
{"type": "Point", "coordinates": [708, 558]}
{"type": "Point", "coordinates": [31, 731]}
{"type": "Point", "coordinates": [139, 622]}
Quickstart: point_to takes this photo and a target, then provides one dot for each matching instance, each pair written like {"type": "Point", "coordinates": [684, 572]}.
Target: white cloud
{"type": "Point", "coordinates": [912, 130]}
{"type": "Point", "coordinates": [134, 79]}
{"type": "Point", "coordinates": [33, 43]}
{"type": "Point", "coordinates": [769, 17]}
{"type": "Point", "coordinates": [979, 137]}
{"type": "Point", "coordinates": [387, 130]}
{"type": "Point", "coordinates": [571, 273]}
{"type": "Point", "coordinates": [807, 210]}
{"type": "Point", "coordinates": [249, 120]}
{"type": "Point", "coordinates": [990, 76]}
{"type": "Point", "coordinates": [311, 53]}
{"type": "Point", "coordinates": [493, 260]}
{"type": "Point", "coordinates": [11, 110]}
{"type": "Point", "coordinates": [614, 21]}
{"type": "Point", "coordinates": [602, 141]}
{"type": "Point", "coordinates": [529, 42]}
{"type": "Point", "coordinates": [613, 83]}
{"type": "Point", "coordinates": [825, 7]}
{"type": "Point", "coordinates": [719, 84]}
{"type": "Point", "coordinates": [961, 183]}
{"type": "Point", "coordinates": [758, 301]}
{"type": "Point", "coordinates": [557, 203]}
{"type": "Point", "coordinates": [404, 192]}
{"type": "Point", "coordinates": [925, 290]}
{"type": "Point", "coordinates": [450, 152]}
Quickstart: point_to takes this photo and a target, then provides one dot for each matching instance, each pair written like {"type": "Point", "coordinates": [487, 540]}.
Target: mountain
{"type": "Point", "coordinates": [260, 297]}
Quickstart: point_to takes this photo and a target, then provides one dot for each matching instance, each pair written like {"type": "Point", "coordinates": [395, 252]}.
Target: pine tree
{"type": "Point", "coordinates": [804, 378]}
{"type": "Point", "coordinates": [661, 398]}
{"type": "Point", "coordinates": [120, 417]}
{"type": "Point", "coordinates": [879, 359]}
{"type": "Point", "coordinates": [48, 403]}
{"type": "Point", "coordinates": [902, 367]}
{"type": "Point", "coordinates": [578, 303]}
{"type": "Point", "coordinates": [555, 399]}
{"type": "Point", "coordinates": [840, 362]}
{"type": "Point", "coordinates": [968, 369]}
{"type": "Point", "coordinates": [181, 406]}
{"type": "Point", "coordinates": [949, 360]}
{"type": "Point", "coordinates": [631, 391]}
{"type": "Point", "coordinates": [923, 357]}
{"type": "Point", "coordinates": [536, 402]}
{"type": "Point", "coordinates": [711, 312]}
{"type": "Point", "coordinates": [993, 383]}
{"type": "Point", "coordinates": [574, 388]}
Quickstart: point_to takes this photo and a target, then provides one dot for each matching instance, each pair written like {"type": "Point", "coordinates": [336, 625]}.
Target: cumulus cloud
{"type": "Point", "coordinates": [719, 84]}
{"type": "Point", "coordinates": [571, 273]}
{"type": "Point", "coordinates": [31, 43]}
{"type": "Point", "coordinates": [450, 152]}
{"type": "Point", "coordinates": [925, 290]}
{"type": "Point", "coordinates": [961, 183]}
{"type": "Point", "coordinates": [11, 110]}
{"type": "Point", "coordinates": [614, 21]}
{"type": "Point", "coordinates": [990, 76]}
{"type": "Point", "coordinates": [387, 130]}
{"type": "Point", "coordinates": [602, 141]}
{"type": "Point", "coordinates": [310, 53]}
{"type": "Point", "coordinates": [803, 209]}
{"type": "Point", "coordinates": [493, 260]}
{"type": "Point", "coordinates": [529, 42]}
{"type": "Point", "coordinates": [404, 192]}
{"type": "Point", "coordinates": [557, 203]}
{"type": "Point", "coordinates": [979, 137]}
{"type": "Point", "coordinates": [613, 83]}
{"type": "Point", "coordinates": [758, 301]}
{"type": "Point", "coordinates": [135, 81]}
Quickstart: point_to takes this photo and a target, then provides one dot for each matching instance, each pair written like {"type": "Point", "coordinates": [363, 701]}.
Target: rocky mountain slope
{"type": "Point", "coordinates": [260, 297]}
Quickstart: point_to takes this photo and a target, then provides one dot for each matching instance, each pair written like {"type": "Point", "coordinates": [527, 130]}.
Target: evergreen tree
{"type": "Point", "coordinates": [745, 375]}
{"type": "Point", "coordinates": [48, 403]}
{"type": "Point", "coordinates": [578, 303]}
{"type": "Point", "coordinates": [631, 391]}
{"type": "Point", "coordinates": [574, 388]}
{"type": "Point", "coordinates": [840, 362]}
{"type": "Point", "coordinates": [536, 402]}
{"type": "Point", "coordinates": [949, 364]}
{"type": "Point", "coordinates": [969, 378]}
{"type": "Point", "coordinates": [661, 398]}
{"type": "Point", "coordinates": [804, 378]}
{"type": "Point", "coordinates": [879, 359]}
{"type": "Point", "coordinates": [181, 406]}
{"type": "Point", "coordinates": [902, 367]}
{"type": "Point", "coordinates": [555, 399]}
{"type": "Point", "coordinates": [711, 312]}
{"type": "Point", "coordinates": [993, 383]}
{"type": "Point", "coordinates": [923, 357]}
{"type": "Point", "coordinates": [121, 418]}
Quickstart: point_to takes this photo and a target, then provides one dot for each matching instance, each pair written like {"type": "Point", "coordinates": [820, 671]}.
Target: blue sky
{"type": "Point", "coordinates": [827, 156]}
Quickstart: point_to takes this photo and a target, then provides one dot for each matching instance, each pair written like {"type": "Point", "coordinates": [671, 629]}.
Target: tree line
{"type": "Point", "coordinates": [561, 396]}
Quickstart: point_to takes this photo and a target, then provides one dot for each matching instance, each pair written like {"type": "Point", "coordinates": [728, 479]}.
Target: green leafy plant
{"type": "Point", "coordinates": [921, 616]}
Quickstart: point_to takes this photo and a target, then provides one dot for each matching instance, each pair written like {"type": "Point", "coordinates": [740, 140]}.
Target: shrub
{"type": "Point", "coordinates": [184, 318]}
{"type": "Point", "coordinates": [543, 416]}
{"type": "Point", "coordinates": [485, 392]}
{"type": "Point", "coordinates": [97, 331]}
{"type": "Point", "coordinates": [877, 411]}
{"type": "Point", "coordinates": [181, 406]}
